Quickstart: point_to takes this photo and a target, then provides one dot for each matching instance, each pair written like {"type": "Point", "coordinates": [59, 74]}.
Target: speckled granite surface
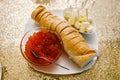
{"type": "Point", "coordinates": [13, 17]}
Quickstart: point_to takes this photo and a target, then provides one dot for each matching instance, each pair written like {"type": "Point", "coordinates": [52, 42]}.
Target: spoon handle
{"type": "Point", "coordinates": [61, 66]}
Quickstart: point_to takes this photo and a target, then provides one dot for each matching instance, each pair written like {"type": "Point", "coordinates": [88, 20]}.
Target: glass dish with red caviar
{"type": "Point", "coordinates": [40, 48]}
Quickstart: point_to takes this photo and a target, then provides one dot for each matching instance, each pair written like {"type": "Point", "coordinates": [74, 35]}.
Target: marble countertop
{"type": "Point", "coordinates": [14, 15]}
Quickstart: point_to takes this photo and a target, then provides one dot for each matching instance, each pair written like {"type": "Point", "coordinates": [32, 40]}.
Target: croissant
{"type": "Point", "coordinates": [74, 43]}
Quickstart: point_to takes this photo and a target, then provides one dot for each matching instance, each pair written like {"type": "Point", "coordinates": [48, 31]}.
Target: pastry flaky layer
{"type": "Point", "coordinates": [73, 42]}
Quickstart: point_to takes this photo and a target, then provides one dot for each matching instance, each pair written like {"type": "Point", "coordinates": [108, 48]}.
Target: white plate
{"type": "Point", "coordinates": [91, 39]}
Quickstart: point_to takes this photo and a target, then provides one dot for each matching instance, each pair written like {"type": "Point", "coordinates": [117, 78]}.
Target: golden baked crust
{"type": "Point", "coordinates": [61, 27]}
{"type": "Point", "coordinates": [38, 17]}
{"type": "Point", "coordinates": [57, 21]}
{"type": "Point", "coordinates": [37, 11]}
{"type": "Point", "coordinates": [43, 17]}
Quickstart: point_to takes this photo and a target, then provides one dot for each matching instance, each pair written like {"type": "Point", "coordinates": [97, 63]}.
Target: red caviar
{"type": "Point", "coordinates": [44, 44]}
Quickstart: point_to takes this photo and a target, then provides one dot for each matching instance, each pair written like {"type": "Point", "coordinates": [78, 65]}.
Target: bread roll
{"type": "Point", "coordinates": [73, 42]}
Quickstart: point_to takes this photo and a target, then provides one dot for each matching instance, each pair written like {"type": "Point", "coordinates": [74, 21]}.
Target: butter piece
{"type": "Point", "coordinates": [82, 29]}
{"type": "Point", "coordinates": [78, 25]}
{"type": "Point", "coordinates": [85, 24]}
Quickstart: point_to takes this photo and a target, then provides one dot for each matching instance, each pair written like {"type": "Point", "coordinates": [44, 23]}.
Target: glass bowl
{"type": "Point", "coordinates": [30, 57]}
